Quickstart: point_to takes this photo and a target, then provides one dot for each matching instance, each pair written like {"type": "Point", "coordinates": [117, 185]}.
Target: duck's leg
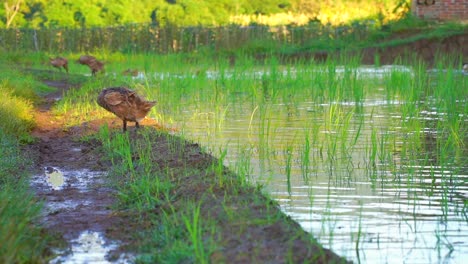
{"type": "Point", "coordinates": [137, 125]}
{"type": "Point", "coordinates": [124, 125]}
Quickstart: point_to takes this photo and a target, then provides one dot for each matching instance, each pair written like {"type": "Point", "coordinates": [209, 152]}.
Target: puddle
{"type": "Point", "coordinates": [57, 179]}
{"type": "Point", "coordinates": [76, 203]}
{"type": "Point", "coordinates": [89, 247]}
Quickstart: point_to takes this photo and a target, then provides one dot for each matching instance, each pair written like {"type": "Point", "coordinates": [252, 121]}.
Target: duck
{"type": "Point", "coordinates": [91, 61]}
{"type": "Point", "coordinates": [126, 104]}
{"type": "Point", "coordinates": [465, 67]}
{"type": "Point", "coordinates": [59, 62]}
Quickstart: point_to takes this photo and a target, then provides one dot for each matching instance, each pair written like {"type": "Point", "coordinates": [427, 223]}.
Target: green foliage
{"type": "Point", "coordinates": [16, 117]}
{"type": "Point", "coordinates": [22, 240]}
{"type": "Point", "coordinates": [91, 13]}
{"type": "Point", "coordinates": [19, 92]}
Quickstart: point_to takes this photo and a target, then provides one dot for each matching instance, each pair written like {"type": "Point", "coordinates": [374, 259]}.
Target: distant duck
{"type": "Point", "coordinates": [465, 67]}
{"type": "Point", "coordinates": [59, 62]}
{"type": "Point", "coordinates": [94, 64]}
{"type": "Point", "coordinates": [125, 104]}
{"type": "Point", "coordinates": [85, 59]}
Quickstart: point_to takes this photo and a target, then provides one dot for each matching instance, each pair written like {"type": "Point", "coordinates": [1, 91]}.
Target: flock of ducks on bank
{"type": "Point", "coordinates": [94, 65]}
{"type": "Point", "coordinates": [126, 104]}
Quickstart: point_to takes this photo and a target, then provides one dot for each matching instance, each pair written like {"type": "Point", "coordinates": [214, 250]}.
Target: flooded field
{"type": "Point", "coordinates": [371, 160]}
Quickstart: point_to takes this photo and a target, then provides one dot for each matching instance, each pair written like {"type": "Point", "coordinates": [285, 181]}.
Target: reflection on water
{"type": "Point", "coordinates": [54, 177]}
{"type": "Point", "coordinates": [89, 247]}
{"type": "Point", "coordinates": [370, 174]}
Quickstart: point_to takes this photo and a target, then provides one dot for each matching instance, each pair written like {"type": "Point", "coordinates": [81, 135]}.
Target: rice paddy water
{"type": "Point", "coordinates": [372, 160]}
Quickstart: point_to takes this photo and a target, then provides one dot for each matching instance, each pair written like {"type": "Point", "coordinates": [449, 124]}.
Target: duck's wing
{"type": "Point", "coordinates": [114, 98]}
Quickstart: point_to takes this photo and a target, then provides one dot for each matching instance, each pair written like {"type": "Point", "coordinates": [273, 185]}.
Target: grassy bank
{"type": "Point", "coordinates": [189, 208]}
{"type": "Point", "coordinates": [23, 241]}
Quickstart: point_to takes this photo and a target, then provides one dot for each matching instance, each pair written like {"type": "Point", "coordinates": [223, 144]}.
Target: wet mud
{"type": "Point", "coordinates": [69, 178]}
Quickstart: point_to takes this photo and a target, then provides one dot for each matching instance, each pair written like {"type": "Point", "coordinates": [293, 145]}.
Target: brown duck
{"type": "Point", "coordinates": [125, 104]}
{"type": "Point", "coordinates": [93, 64]}
{"type": "Point", "coordinates": [59, 62]}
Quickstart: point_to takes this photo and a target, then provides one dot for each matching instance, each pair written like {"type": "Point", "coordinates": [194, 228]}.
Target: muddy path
{"type": "Point", "coordinates": [81, 201]}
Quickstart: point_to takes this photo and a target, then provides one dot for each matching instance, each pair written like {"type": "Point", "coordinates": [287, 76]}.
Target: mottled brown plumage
{"type": "Point", "coordinates": [125, 104]}
{"type": "Point", "coordinates": [59, 62]}
{"type": "Point", "coordinates": [94, 64]}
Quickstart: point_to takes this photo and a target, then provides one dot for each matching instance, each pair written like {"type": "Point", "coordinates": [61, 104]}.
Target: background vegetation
{"type": "Point", "coordinates": [90, 13]}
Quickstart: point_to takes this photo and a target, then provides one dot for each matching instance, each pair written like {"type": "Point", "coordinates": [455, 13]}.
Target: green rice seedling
{"type": "Point", "coordinates": [398, 84]}
{"type": "Point", "coordinates": [305, 159]}
{"type": "Point", "coordinates": [165, 243]}
{"type": "Point", "coordinates": [145, 192]}
{"type": "Point", "coordinates": [118, 148]}
{"type": "Point", "coordinates": [144, 150]}
{"type": "Point", "coordinates": [371, 159]}
{"type": "Point", "coordinates": [359, 232]}
{"type": "Point", "coordinates": [218, 167]}
{"type": "Point", "coordinates": [288, 166]}
{"type": "Point", "coordinates": [243, 165]}
{"type": "Point", "coordinates": [442, 240]}
{"type": "Point", "coordinates": [122, 147]}
{"type": "Point", "coordinates": [194, 228]}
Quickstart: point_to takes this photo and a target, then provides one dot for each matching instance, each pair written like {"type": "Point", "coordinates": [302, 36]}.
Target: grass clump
{"type": "Point", "coordinates": [20, 92]}
{"type": "Point", "coordinates": [22, 240]}
{"type": "Point", "coordinates": [15, 115]}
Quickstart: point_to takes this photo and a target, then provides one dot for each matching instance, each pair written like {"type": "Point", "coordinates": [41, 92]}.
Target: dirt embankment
{"type": "Point", "coordinates": [400, 49]}
{"type": "Point", "coordinates": [427, 50]}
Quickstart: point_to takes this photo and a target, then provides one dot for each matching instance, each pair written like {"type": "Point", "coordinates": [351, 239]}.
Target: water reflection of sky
{"type": "Point", "coordinates": [89, 247]}
{"type": "Point", "coordinates": [394, 210]}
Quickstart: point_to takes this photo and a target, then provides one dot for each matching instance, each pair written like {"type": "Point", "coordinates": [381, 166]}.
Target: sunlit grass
{"type": "Point", "coordinates": [16, 117]}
